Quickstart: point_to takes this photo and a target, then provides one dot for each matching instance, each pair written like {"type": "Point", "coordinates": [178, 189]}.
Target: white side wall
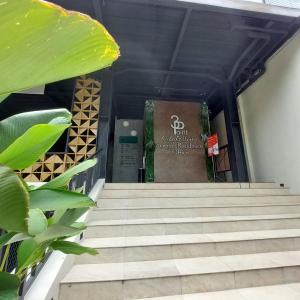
{"type": "Point", "coordinates": [270, 115]}
{"type": "Point", "coordinates": [46, 284]}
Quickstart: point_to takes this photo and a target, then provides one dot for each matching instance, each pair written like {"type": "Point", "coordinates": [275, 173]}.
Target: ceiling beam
{"type": "Point", "coordinates": [180, 38]}
{"type": "Point", "coordinates": [262, 57]}
{"type": "Point", "coordinates": [266, 29]}
{"type": "Point", "coordinates": [294, 26]}
{"type": "Point", "coordinates": [235, 7]}
{"type": "Point", "coordinates": [238, 67]}
{"type": "Point", "coordinates": [98, 10]}
{"type": "Point", "coordinates": [211, 77]}
{"type": "Point", "coordinates": [158, 97]}
{"type": "Point", "coordinates": [248, 6]}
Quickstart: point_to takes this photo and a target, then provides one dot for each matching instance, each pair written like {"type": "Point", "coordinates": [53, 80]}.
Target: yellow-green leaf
{"type": "Point", "coordinates": [13, 127]}
{"type": "Point", "coordinates": [48, 200]}
{"type": "Point", "coordinates": [30, 146]}
{"type": "Point", "coordinates": [64, 178]}
{"type": "Point", "coordinates": [3, 97]}
{"type": "Point", "coordinates": [42, 43]}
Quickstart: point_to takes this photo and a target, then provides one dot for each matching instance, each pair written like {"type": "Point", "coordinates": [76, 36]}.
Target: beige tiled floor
{"type": "Point", "coordinates": [182, 267]}
{"type": "Point", "coordinates": [189, 238]}
{"type": "Point", "coordinates": [274, 292]}
{"type": "Point", "coordinates": [220, 242]}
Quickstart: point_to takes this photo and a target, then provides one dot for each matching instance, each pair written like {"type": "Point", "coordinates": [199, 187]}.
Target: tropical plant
{"type": "Point", "coordinates": [25, 138]}
{"type": "Point", "coordinates": [41, 43]}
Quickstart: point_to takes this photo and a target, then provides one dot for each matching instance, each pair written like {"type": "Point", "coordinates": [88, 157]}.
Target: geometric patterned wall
{"type": "Point", "coordinates": [82, 135]}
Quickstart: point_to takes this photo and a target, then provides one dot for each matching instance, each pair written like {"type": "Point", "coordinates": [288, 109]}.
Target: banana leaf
{"type": "Point", "coordinates": [42, 43]}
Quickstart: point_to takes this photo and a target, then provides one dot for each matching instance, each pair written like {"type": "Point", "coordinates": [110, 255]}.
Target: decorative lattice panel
{"type": "Point", "coordinates": [82, 135]}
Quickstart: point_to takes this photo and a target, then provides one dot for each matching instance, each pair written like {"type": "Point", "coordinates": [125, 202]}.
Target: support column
{"type": "Point", "coordinates": [235, 142]}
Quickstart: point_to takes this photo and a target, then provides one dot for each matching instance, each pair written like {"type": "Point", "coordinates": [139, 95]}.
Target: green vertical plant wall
{"type": "Point", "coordinates": [204, 121]}
{"type": "Point", "coordinates": [149, 141]}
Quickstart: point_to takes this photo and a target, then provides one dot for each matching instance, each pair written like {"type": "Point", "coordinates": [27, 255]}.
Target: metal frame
{"type": "Point", "coordinates": [177, 48]}
{"type": "Point", "coordinates": [235, 142]}
{"type": "Point", "coordinates": [237, 6]}
{"type": "Point", "coordinates": [243, 73]}
{"type": "Point", "coordinates": [168, 72]}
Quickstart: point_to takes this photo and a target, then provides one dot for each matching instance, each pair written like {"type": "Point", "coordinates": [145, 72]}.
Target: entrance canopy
{"type": "Point", "coordinates": [186, 49]}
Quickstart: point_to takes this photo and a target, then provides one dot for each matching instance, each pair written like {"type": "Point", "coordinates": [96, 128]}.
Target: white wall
{"type": "Point", "coordinates": [270, 115]}
{"type": "Point", "coordinates": [46, 284]}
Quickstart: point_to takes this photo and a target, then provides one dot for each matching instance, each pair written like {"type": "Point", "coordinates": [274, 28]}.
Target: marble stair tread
{"type": "Point", "coordinates": [140, 241]}
{"type": "Point", "coordinates": [223, 185]}
{"type": "Point", "coordinates": [195, 201]}
{"type": "Point", "coordinates": [192, 220]}
{"type": "Point", "coordinates": [176, 186]}
{"type": "Point", "coordinates": [192, 193]}
{"type": "Point", "coordinates": [198, 206]}
{"type": "Point", "coordinates": [290, 291]}
{"type": "Point", "coordinates": [181, 267]}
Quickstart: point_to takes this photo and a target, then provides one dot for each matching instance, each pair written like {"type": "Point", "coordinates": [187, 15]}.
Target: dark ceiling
{"type": "Point", "coordinates": [178, 50]}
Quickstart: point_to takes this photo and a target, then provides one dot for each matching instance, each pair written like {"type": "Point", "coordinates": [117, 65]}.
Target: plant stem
{"type": "Point", "coordinates": [22, 275]}
{"type": "Point", "coordinates": [6, 253]}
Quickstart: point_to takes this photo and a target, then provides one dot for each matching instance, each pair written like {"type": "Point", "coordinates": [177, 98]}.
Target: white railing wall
{"type": "Point", "coordinates": [283, 3]}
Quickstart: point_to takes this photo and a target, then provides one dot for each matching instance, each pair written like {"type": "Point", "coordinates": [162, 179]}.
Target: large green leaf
{"type": "Point", "coordinates": [18, 238]}
{"type": "Point", "coordinates": [64, 178]}
{"type": "Point", "coordinates": [14, 201]}
{"type": "Point", "coordinates": [42, 43]}
{"type": "Point", "coordinates": [67, 217]}
{"type": "Point", "coordinates": [3, 97]}
{"type": "Point", "coordinates": [5, 238]}
{"type": "Point", "coordinates": [9, 286]}
{"type": "Point", "coordinates": [37, 222]}
{"type": "Point", "coordinates": [72, 215]}
{"type": "Point", "coordinates": [24, 251]}
{"type": "Point", "coordinates": [57, 231]}
{"type": "Point", "coordinates": [29, 147]}
{"type": "Point", "coordinates": [48, 200]}
{"type": "Point", "coordinates": [29, 253]}
{"type": "Point", "coordinates": [72, 248]}
{"type": "Point", "coordinates": [16, 125]}
{"type": "Point", "coordinates": [12, 237]}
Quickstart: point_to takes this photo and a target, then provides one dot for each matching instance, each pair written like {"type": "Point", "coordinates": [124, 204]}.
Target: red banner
{"type": "Point", "coordinates": [212, 145]}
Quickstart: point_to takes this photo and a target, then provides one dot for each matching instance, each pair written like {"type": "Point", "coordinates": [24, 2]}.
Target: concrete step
{"type": "Point", "coordinates": [143, 248]}
{"type": "Point", "coordinates": [169, 226]}
{"type": "Point", "coordinates": [177, 186]}
{"type": "Point", "coordinates": [168, 202]}
{"type": "Point", "coordinates": [193, 211]}
{"type": "Point", "coordinates": [192, 193]}
{"type": "Point", "coordinates": [132, 280]}
{"type": "Point", "coordinates": [290, 291]}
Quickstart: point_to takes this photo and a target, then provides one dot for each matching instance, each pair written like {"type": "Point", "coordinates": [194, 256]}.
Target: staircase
{"type": "Point", "coordinates": [234, 241]}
